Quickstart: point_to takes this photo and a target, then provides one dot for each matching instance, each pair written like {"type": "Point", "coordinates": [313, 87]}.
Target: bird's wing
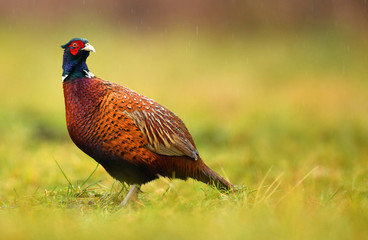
{"type": "Point", "coordinates": [166, 133]}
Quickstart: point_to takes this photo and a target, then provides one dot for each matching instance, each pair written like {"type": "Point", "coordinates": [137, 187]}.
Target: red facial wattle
{"type": "Point", "coordinates": [75, 46]}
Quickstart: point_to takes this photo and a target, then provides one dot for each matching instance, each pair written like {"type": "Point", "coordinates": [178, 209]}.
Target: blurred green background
{"type": "Point", "coordinates": [274, 93]}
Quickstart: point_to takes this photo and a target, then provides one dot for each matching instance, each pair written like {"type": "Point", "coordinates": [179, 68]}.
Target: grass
{"type": "Point", "coordinates": [285, 114]}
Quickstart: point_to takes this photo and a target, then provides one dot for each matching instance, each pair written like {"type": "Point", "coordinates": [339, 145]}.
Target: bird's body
{"type": "Point", "coordinates": [134, 138]}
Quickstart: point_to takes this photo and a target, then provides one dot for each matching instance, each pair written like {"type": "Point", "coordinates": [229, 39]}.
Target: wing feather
{"type": "Point", "coordinates": [166, 133]}
{"type": "Point", "coordinates": [163, 134]}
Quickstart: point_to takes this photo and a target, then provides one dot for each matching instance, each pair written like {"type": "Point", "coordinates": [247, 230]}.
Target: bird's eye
{"type": "Point", "coordinates": [75, 45]}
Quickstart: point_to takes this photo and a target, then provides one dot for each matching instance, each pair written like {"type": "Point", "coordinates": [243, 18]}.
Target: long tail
{"type": "Point", "coordinates": [183, 167]}
{"type": "Point", "coordinates": [208, 176]}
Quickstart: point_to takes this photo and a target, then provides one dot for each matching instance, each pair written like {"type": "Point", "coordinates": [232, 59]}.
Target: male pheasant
{"type": "Point", "coordinates": [134, 138]}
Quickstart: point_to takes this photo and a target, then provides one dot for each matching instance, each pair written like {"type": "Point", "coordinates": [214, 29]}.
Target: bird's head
{"type": "Point", "coordinates": [76, 52]}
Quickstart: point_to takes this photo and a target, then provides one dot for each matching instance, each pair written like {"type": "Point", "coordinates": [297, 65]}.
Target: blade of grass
{"type": "Point", "coordinates": [70, 184]}
{"type": "Point", "coordinates": [261, 184]}
{"type": "Point", "coordinates": [297, 184]}
{"type": "Point", "coordinates": [85, 181]}
{"type": "Point", "coordinates": [92, 184]}
{"type": "Point", "coordinates": [266, 196]}
{"type": "Point", "coordinates": [273, 191]}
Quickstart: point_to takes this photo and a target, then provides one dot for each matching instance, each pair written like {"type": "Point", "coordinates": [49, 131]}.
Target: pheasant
{"type": "Point", "coordinates": [134, 138]}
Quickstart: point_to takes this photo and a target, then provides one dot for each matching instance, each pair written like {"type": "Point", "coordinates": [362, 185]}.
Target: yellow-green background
{"type": "Point", "coordinates": [274, 101]}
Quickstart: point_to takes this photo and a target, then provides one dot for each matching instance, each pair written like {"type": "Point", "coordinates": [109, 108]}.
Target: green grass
{"type": "Point", "coordinates": [285, 114]}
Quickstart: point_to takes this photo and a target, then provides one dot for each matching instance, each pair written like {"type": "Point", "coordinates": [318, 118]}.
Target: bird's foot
{"type": "Point", "coordinates": [131, 196]}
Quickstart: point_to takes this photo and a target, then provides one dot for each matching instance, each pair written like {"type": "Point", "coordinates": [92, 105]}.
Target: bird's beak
{"type": "Point", "coordinates": [88, 47]}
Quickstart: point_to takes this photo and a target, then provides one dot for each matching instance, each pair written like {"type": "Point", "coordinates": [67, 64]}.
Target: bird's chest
{"type": "Point", "coordinates": [79, 120]}
{"type": "Point", "coordinates": [81, 109]}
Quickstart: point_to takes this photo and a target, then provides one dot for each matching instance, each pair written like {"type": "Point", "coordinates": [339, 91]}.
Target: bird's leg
{"type": "Point", "coordinates": [132, 195]}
